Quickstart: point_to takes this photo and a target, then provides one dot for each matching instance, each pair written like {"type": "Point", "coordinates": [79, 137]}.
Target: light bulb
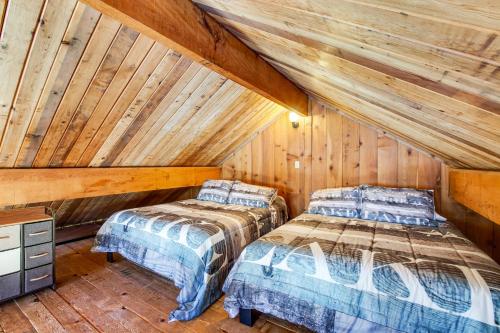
{"type": "Point", "coordinates": [294, 119]}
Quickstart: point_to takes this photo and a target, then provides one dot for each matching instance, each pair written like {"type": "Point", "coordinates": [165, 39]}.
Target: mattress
{"type": "Point", "coordinates": [192, 242]}
{"type": "Point", "coordinates": [403, 277]}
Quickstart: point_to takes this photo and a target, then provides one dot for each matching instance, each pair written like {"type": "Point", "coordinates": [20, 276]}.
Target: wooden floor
{"type": "Point", "coordinates": [95, 296]}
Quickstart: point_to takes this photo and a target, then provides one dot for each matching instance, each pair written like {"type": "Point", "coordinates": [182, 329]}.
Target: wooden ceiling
{"type": "Point", "coordinates": [426, 71]}
{"type": "Point", "coordinates": [84, 90]}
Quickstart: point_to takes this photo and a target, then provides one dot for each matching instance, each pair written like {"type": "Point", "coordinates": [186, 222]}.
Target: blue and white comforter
{"type": "Point", "coordinates": [405, 277]}
{"type": "Point", "coordinates": [192, 242]}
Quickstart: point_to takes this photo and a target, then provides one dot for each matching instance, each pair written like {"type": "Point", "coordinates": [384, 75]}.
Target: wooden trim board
{"type": "Point", "coordinates": [22, 186]}
{"type": "Point", "coordinates": [182, 26]}
{"type": "Point", "coordinates": [478, 190]}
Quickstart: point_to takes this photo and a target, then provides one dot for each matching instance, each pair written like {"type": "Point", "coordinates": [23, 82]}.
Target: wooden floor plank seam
{"type": "Point", "coordinates": [80, 321]}
{"type": "Point", "coordinates": [13, 320]}
{"type": "Point", "coordinates": [39, 316]}
{"type": "Point", "coordinates": [106, 323]}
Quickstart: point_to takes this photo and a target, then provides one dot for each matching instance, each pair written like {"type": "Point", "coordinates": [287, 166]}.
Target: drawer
{"type": "Point", "coordinates": [10, 261]}
{"type": "Point", "coordinates": [10, 237]}
{"type": "Point", "coordinates": [10, 285]}
{"type": "Point", "coordinates": [37, 233]}
{"type": "Point", "coordinates": [37, 278]}
{"type": "Point", "coordinates": [37, 255]}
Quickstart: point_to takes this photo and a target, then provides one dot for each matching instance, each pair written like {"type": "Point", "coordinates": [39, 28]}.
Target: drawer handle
{"type": "Point", "coordinates": [38, 233]}
{"type": "Point", "coordinates": [5, 237]}
{"type": "Point", "coordinates": [39, 255]}
{"type": "Point", "coordinates": [39, 278]}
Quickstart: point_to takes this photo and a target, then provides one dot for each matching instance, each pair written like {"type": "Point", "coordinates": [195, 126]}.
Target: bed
{"type": "Point", "coordinates": [192, 242]}
{"type": "Point", "coordinates": [344, 274]}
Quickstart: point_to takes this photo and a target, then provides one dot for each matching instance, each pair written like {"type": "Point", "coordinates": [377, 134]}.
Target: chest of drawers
{"type": "Point", "coordinates": [27, 252]}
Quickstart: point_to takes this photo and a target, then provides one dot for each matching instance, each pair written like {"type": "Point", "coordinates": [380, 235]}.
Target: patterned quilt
{"type": "Point", "coordinates": [405, 277]}
{"type": "Point", "coordinates": [192, 242]}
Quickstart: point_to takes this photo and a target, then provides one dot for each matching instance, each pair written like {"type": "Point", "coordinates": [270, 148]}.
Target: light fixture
{"type": "Point", "coordinates": [294, 119]}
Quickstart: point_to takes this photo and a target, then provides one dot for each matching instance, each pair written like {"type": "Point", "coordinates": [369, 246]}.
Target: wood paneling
{"type": "Point", "coordinates": [183, 27]}
{"type": "Point", "coordinates": [24, 186]}
{"type": "Point", "coordinates": [333, 151]}
{"type": "Point", "coordinates": [86, 91]}
{"type": "Point", "coordinates": [426, 72]}
{"type": "Point", "coordinates": [96, 93]}
{"type": "Point", "coordinates": [477, 190]}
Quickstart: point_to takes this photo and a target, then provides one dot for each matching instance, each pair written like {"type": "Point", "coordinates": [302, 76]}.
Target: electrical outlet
{"type": "Point", "coordinates": [297, 164]}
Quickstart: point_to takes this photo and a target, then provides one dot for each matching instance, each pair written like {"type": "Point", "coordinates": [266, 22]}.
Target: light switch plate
{"type": "Point", "coordinates": [297, 164]}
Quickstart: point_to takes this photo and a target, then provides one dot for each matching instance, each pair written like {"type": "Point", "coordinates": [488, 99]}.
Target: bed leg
{"type": "Point", "coordinates": [109, 257]}
{"type": "Point", "coordinates": [248, 316]}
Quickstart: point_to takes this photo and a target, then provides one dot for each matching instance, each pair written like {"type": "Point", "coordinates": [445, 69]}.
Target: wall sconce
{"type": "Point", "coordinates": [294, 119]}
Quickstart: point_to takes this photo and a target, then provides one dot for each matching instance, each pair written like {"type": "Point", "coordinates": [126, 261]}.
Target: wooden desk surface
{"type": "Point", "coordinates": [23, 215]}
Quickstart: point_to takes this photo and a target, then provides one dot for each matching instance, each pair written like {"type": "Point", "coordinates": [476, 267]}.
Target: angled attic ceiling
{"type": "Point", "coordinates": [84, 90]}
{"type": "Point", "coordinates": [426, 71]}
{"type": "Point", "coordinates": [79, 89]}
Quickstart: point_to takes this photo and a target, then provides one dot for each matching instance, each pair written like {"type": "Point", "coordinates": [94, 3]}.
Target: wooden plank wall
{"type": "Point", "coordinates": [333, 150]}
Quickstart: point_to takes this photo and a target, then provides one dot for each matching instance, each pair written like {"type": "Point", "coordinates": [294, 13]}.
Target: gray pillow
{"type": "Point", "coordinates": [215, 190]}
{"type": "Point", "coordinates": [251, 195]}
{"type": "Point", "coordinates": [341, 201]}
{"type": "Point", "coordinates": [397, 205]}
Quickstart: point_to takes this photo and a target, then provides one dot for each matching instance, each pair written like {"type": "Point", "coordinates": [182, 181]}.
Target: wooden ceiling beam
{"type": "Point", "coordinates": [478, 190]}
{"type": "Point", "coordinates": [23, 186]}
{"type": "Point", "coordinates": [184, 27]}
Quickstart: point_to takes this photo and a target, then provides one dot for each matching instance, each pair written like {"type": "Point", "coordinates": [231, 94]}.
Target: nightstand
{"type": "Point", "coordinates": [27, 251]}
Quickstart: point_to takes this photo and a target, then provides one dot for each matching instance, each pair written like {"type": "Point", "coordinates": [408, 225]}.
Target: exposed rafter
{"type": "Point", "coordinates": [182, 26]}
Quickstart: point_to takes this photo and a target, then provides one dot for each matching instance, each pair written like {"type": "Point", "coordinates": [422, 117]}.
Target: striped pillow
{"type": "Point", "coordinates": [397, 205]}
{"type": "Point", "coordinates": [215, 190]}
{"type": "Point", "coordinates": [251, 195]}
{"type": "Point", "coordinates": [342, 202]}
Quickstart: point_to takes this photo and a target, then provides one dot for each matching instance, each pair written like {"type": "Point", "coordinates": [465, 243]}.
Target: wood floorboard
{"type": "Point", "coordinates": [93, 295]}
{"type": "Point", "coordinates": [12, 319]}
